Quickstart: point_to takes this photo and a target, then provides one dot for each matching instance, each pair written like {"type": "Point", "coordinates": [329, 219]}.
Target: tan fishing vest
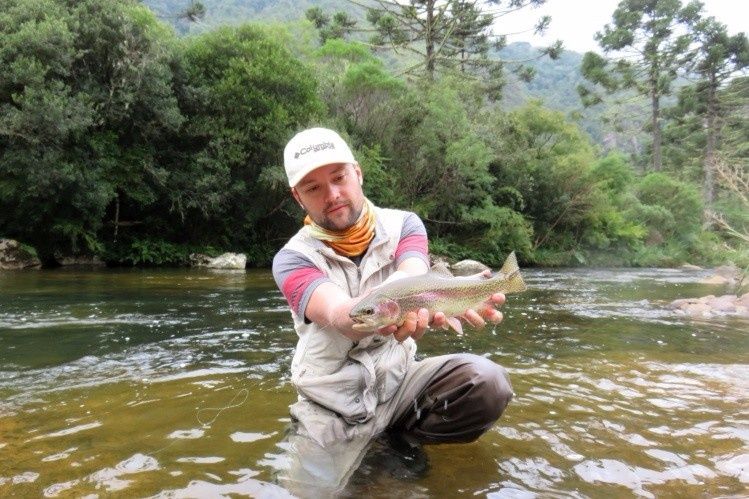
{"type": "Point", "coordinates": [347, 377]}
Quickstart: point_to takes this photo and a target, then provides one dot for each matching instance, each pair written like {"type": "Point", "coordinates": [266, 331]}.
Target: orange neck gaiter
{"type": "Point", "coordinates": [352, 241]}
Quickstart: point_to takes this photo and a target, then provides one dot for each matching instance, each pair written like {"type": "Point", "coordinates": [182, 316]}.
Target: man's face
{"type": "Point", "coordinates": [332, 195]}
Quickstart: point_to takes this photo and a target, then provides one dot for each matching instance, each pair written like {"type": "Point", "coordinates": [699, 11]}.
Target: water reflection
{"type": "Point", "coordinates": [134, 383]}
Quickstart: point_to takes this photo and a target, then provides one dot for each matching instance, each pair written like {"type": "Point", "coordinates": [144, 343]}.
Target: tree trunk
{"type": "Point", "coordinates": [712, 137]}
{"type": "Point", "coordinates": [116, 215]}
{"type": "Point", "coordinates": [656, 124]}
{"type": "Point", "coordinates": [429, 38]}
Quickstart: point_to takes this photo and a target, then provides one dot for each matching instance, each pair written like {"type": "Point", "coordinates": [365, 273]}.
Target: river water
{"type": "Point", "coordinates": [174, 383]}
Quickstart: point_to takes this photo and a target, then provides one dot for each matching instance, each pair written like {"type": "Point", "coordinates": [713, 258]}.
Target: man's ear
{"type": "Point", "coordinates": [297, 198]}
{"type": "Point", "coordinates": [359, 173]}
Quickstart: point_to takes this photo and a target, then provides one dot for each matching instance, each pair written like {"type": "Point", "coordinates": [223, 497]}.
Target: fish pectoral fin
{"type": "Point", "coordinates": [454, 323]}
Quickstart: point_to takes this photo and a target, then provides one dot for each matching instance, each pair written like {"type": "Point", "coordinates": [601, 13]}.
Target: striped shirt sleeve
{"type": "Point", "coordinates": [297, 277]}
{"type": "Point", "coordinates": [413, 241]}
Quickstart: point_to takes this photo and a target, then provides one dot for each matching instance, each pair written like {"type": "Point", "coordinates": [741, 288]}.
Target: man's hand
{"type": "Point", "coordinates": [417, 323]}
{"type": "Point", "coordinates": [414, 326]}
{"type": "Point", "coordinates": [489, 311]}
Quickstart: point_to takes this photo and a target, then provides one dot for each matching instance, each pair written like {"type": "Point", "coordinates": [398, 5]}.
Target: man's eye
{"type": "Point", "coordinates": [312, 188]}
{"type": "Point", "coordinates": [339, 178]}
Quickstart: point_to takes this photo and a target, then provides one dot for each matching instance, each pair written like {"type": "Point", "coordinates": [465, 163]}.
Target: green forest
{"type": "Point", "coordinates": [141, 133]}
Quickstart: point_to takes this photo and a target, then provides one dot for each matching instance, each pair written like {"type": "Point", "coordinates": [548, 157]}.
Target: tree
{"type": "Point", "coordinates": [85, 102]}
{"type": "Point", "coordinates": [194, 12]}
{"type": "Point", "coordinates": [439, 35]}
{"type": "Point", "coordinates": [650, 43]}
{"type": "Point", "coordinates": [542, 166]}
{"type": "Point", "coordinates": [717, 58]}
{"type": "Point", "coordinates": [735, 180]}
{"type": "Point", "coordinates": [469, 41]}
{"type": "Point", "coordinates": [670, 208]}
{"type": "Point", "coordinates": [359, 91]}
{"type": "Point", "coordinates": [338, 27]}
{"type": "Point", "coordinates": [243, 94]}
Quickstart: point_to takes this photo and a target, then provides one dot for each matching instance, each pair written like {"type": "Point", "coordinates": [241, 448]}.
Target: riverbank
{"type": "Point", "coordinates": [15, 255]}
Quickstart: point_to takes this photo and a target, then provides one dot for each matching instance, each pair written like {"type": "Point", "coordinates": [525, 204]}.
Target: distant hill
{"type": "Point", "coordinates": [555, 82]}
{"type": "Point", "coordinates": [220, 12]}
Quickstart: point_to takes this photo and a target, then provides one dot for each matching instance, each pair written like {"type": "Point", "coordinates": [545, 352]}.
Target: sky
{"type": "Point", "coordinates": [576, 21]}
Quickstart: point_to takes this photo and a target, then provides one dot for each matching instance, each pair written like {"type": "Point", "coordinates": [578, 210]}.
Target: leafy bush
{"type": "Point", "coordinates": [670, 207]}
{"type": "Point", "coordinates": [148, 252]}
{"type": "Point", "coordinates": [81, 116]}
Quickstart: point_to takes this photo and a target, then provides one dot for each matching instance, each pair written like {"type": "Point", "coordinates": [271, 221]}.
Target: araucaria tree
{"type": "Point", "coordinates": [439, 34]}
{"type": "Point", "coordinates": [717, 58]}
{"type": "Point", "coordinates": [649, 41]}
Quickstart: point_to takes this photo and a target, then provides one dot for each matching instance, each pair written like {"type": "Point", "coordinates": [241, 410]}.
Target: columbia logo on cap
{"type": "Point", "coordinates": [314, 148]}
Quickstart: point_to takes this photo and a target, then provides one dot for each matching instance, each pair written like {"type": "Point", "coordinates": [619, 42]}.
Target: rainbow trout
{"type": "Point", "coordinates": [389, 304]}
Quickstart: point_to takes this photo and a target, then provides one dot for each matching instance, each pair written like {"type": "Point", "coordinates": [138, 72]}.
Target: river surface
{"type": "Point", "coordinates": [175, 383]}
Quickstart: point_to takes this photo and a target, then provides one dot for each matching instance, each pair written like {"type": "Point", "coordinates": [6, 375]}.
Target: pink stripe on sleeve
{"type": "Point", "coordinates": [296, 283]}
{"type": "Point", "coordinates": [415, 242]}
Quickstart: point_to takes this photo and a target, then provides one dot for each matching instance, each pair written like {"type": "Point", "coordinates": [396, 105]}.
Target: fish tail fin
{"type": "Point", "coordinates": [511, 272]}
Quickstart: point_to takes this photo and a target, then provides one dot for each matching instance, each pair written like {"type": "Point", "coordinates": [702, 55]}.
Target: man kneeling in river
{"type": "Point", "coordinates": [356, 385]}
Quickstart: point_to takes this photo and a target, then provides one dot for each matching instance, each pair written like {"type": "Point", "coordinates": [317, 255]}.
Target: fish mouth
{"type": "Point", "coordinates": [362, 324]}
{"type": "Point", "coordinates": [361, 320]}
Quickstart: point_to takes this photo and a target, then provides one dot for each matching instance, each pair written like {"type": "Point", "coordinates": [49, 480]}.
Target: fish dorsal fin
{"type": "Point", "coordinates": [510, 265]}
{"type": "Point", "coordinates": [510, 274]}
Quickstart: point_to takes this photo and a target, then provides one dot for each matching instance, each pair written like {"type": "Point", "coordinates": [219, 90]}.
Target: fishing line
{"type": "Point", "coordinates": [219, 410]}
{"type": "Point", "coordinates": [205, 425]}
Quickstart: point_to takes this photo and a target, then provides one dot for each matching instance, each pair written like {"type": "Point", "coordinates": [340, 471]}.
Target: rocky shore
{"type": "Point", "coordinates": [710, 306]}
{"type": "Point", "coordinates": [235, 261]}
{"type": "Point", "coordinates": [15, 256]}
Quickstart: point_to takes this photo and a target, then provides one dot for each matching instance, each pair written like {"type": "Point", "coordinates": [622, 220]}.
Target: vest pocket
{"type": "Point", "coordinates": [342, 392]}
{"type": "Point", "coordinates": [391, 367]}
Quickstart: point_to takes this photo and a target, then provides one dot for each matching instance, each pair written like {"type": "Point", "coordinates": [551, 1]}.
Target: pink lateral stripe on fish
{"type": "Point", "coordinates": [388, 304]}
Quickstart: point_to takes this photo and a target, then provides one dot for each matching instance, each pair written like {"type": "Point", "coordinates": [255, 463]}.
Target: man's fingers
{"type": "Point", "coordinates": [489, 312]}
{"type": "Point", "coordinates": [417, 323]}
{"type": "Point", "coordinates": [439, 320]}
{"type": "Point", "coordinates": [423, 316]}
{"type": "Point", "coordinates": [498, 299]}
{"type": "Point", "coordinates": [387, 330]}
{"type": "Point", "coordinates": [408, 327]}
{"type": "Point", "coordinates": [474, 319]}
{"type": "Point", "coordinates": [422, 323]}
{"type": "Point", "coordinates": [492, 315]}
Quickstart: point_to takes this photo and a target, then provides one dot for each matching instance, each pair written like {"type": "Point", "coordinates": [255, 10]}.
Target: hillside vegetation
{"type": "Point", "coordinates": [122, 137]}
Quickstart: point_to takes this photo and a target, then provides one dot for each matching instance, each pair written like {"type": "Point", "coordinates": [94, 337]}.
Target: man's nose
{"type": "Point", "coordinates": [332, 192]}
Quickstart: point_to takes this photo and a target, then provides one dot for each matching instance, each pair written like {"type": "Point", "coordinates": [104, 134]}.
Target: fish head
{"type": "Point", "coordinates": [372, 313]}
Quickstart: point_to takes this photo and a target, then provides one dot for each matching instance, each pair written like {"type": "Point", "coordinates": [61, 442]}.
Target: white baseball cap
{"type": "Point", "coordinates": [311, 149]}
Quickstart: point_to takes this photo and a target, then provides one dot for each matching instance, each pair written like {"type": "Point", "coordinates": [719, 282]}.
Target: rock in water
{"type": "Point", "coordinates": [468, 267]}
{"type": "Point", "coordinates": [712, 306]}
{"type": "Point", "coordinates": [225, 261]}
{"type": "Point", "coordinates": [13, 256]}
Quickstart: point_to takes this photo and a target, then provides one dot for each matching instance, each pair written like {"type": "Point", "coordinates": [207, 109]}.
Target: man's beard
{"type": "Point", "coordinates": [327, 224]}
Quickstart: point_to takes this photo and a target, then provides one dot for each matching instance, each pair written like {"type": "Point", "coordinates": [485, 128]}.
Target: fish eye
{"type": "Point", "coordinates": [368, 311]}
